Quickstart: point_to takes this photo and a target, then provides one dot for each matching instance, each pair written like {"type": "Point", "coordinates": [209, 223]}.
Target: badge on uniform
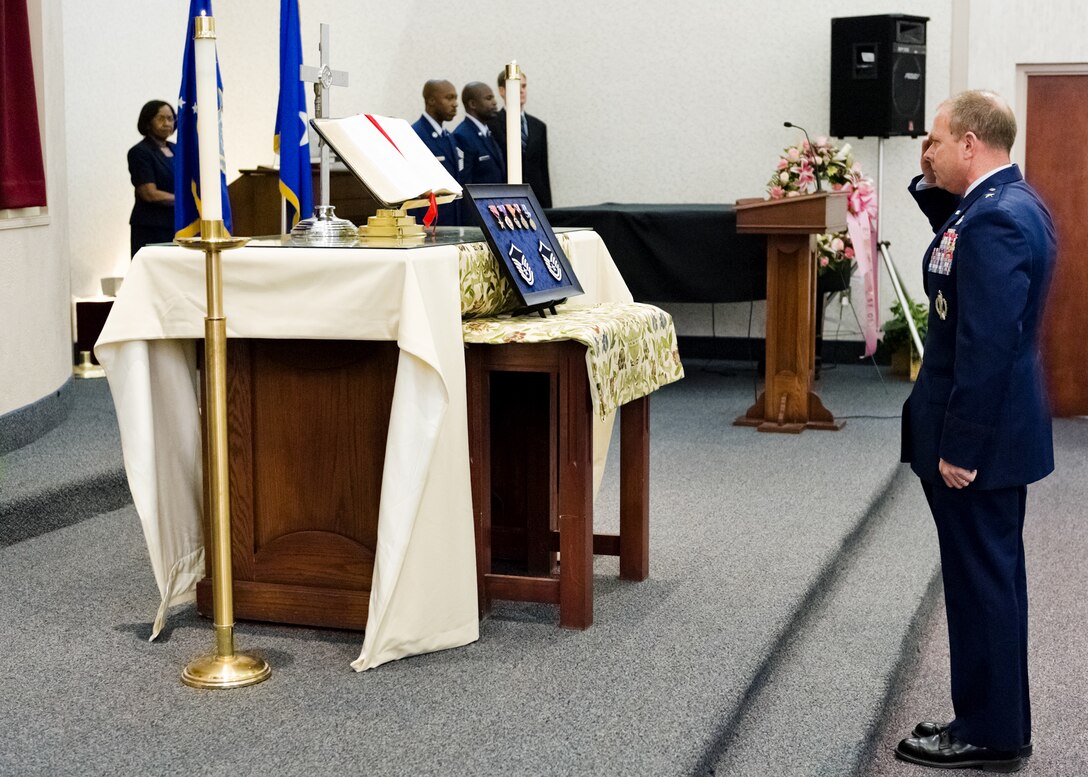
{"type": "Point", "coordinates": [942, 305]}
{"type": "Point", "coordinates": [940, 261]}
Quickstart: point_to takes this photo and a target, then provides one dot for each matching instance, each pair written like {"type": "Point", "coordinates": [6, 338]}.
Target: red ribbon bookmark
{"type": "Point", "coordinates": [384, 134]}
{"type": "Point", "coordinates": [432, 212]}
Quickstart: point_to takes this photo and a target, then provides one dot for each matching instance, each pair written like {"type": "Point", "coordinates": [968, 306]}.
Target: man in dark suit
{"type": "Point", "coordinates": [440, 105]}
{"type": "Point", "coordinates": [976, 428]}
{"type": "Point", "coordinates": [483, 157]}
{"type": "Point", "coordinates": [534, 144]}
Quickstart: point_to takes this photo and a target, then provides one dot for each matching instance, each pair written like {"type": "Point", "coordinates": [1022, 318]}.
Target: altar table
{"type": "Point", "coordinates": [423, 594]}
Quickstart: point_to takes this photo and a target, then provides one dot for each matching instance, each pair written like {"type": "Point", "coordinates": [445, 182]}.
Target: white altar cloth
{"type": "Point", "coordinates": [423, 595]}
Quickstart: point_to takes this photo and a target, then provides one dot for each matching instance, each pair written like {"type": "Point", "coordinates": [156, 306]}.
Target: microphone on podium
{"type": "Point", "coordinates": [811, 151]}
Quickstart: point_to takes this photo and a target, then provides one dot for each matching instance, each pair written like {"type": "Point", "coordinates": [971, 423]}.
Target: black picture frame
{"type": "Point", "coordinates": [540, 281]}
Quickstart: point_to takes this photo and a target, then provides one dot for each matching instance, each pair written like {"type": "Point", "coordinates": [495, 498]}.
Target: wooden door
{"type": "Point", "coordinates": [1056, 130]}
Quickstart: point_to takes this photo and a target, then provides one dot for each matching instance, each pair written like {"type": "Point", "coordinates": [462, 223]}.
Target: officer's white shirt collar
{"type": "Point", "coordinates": [923, 184]}
{"type": "Point", "coordinates": [984, 176]}
{"type": "Point", "coordinates": [434, 124]}
{"type": "Point", "coordinates": [479, 124]}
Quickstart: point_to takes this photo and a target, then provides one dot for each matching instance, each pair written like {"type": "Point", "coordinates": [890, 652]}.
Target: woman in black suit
{"type": "Point", "coordinates": [151, 165]}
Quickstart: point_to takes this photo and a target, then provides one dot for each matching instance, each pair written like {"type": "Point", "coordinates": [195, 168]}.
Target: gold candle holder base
{"type": "Point", "coordinates": [392, 225]}
{"type": "Point", "coordinates": [86, 368]}
{"type": "Point", "coordinates": [222, 672]}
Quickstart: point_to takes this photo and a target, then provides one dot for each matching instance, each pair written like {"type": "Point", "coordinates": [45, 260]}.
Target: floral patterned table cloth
{"type": "Point", "coordinates": [630, 347]}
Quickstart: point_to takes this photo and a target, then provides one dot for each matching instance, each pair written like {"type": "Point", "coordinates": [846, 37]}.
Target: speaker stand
{"type": "Point", "coordinates": [879, 186]}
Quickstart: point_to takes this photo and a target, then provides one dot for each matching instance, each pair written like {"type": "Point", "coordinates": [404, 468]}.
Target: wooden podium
{"type": "Point", "coordinates": [255, 199]}
{"type": "Point", "coordinates": [788, 403]}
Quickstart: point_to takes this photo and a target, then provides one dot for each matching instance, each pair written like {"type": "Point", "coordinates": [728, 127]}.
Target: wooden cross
{"type": "Point", "coordinates": [323, 78]}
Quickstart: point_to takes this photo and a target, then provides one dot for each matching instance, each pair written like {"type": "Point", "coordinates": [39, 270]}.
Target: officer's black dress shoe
{"type": "Point", "coordinates": [943, 751]}
{"type": "Point", "coordinates": [928, 728]}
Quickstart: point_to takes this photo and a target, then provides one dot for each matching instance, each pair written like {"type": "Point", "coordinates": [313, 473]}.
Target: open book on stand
{"type": "Point", "coordinates": [390, 160]}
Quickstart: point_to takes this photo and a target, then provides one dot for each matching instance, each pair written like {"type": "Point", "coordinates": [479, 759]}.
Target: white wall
{"type": "Point", "coordinates": [1017, 33]}
{"type": "Point", "coordinates": [1005, 33]}
{"type": "Point", "coordinates": [36, 345]}
{"type": "Point", "coordinates": [117, 56]}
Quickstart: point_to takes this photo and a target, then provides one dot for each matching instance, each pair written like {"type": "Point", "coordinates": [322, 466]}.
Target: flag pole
{"type": "Point", "coordinates": [225, 668]}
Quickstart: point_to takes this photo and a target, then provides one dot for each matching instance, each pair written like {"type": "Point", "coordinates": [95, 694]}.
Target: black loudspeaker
{"type": "Point", "coordinates": [878, 75]}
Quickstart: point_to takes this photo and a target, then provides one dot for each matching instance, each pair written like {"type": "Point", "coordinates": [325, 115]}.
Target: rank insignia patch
{"type": "Point", "coordinates": [551, 261]}
{"type": "Point", "coordinates": [521, 264]}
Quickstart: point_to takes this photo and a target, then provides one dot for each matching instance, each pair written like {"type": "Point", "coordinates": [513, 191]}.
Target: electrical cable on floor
{"type": "Point", "coordinates": [748, 341]}
{"type": "Point", "coordinates": [755, 365]}
{"type": "Point", "coordinates": [872, 417]}
{"type": "Point", "coordinates": [713, 339]}
{"type": "Point", "coordinates": [838, 330]}
{"type": "Point", "coordinates": [872, 356]}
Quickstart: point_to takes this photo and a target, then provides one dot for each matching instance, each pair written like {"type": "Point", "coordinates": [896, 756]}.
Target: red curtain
{"type": "Point", "coordinates": [22, 174]}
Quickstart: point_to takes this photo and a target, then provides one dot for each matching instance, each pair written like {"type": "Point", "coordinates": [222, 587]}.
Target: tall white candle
{"type": "Point", "coordinates": [513, 123]}
{"type": "Point", "coordinates": [207, 118]}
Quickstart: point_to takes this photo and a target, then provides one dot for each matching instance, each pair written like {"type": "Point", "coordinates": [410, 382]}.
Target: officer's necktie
{"type": "Point", "coordinates": [495, 150]}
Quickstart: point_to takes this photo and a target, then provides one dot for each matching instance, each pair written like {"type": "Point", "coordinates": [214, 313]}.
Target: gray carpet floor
{"type": "Point", "coordinates": [70, 473]}
{"type": "Point", "coordinates": [759, 545]}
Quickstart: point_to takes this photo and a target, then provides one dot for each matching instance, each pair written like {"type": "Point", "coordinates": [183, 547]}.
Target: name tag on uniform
{"type": "Point", "coordinates": [940, 260]}
{"type": "Point", "coordinates": [484, 157]}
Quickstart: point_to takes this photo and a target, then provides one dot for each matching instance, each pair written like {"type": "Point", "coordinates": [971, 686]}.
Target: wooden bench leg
{"type": "Point", "coordinates": [575, 494]}
{"type": "Point", "coordinates": [478, 390]}
{"type": "Point", "coordinates": [635, 489]}
{"type": "Point", "coordinates": [575, 573]}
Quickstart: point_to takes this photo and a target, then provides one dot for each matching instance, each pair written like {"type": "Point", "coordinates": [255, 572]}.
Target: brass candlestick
{"type": "Point", "coordinates": [225, 668]}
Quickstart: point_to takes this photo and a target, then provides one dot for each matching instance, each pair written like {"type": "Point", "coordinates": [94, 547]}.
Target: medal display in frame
{"type": "Point", "coordinates": [523, 241]}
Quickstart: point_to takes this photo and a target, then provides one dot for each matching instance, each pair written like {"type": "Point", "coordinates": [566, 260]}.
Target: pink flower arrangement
{"type": "Point", "coordinates": [796, 173]}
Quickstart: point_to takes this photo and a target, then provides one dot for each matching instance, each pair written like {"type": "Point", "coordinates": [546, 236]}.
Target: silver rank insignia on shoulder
{"type": "Point", "coordinates": [942, 305]}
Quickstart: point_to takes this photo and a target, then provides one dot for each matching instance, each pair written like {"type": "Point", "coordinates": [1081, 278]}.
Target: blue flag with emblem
{"type": "Point", "coordinates": [291, 141]}
{"type": "Point", "coordinates": [187, 154]}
